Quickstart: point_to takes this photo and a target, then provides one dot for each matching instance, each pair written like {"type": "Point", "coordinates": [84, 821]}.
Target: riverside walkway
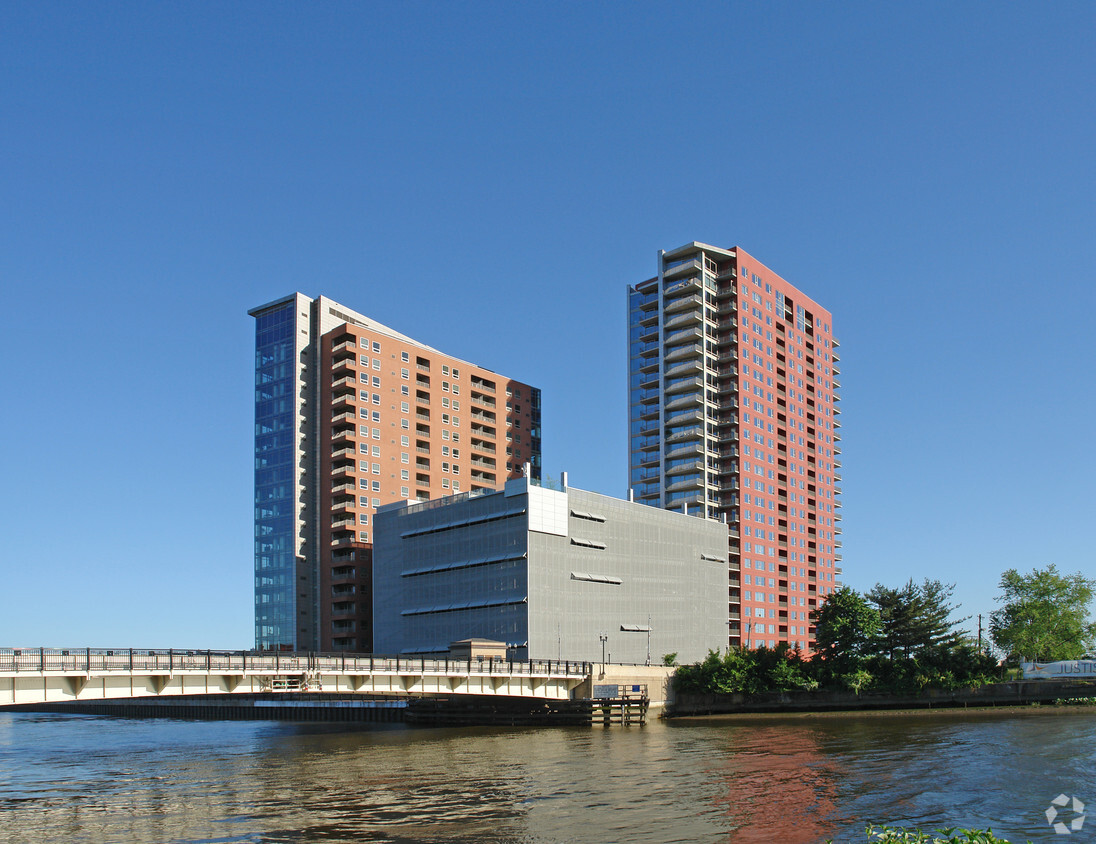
{"type": "Point", "coordinates": [30, 676]}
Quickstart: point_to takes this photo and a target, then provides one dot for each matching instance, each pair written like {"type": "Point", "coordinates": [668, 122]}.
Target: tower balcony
{"type": "Point", "coordinates": [691, 301]}
{"type": "Point", "coordinates": [344, 353]}
{"type": "Point", "coordinates": [688, 400]}
{"type": "Point", "coordinates": [683, 335]}
{"type": "Point", "coordinates": [686, 450]}
{"type": "Point", "coordinates": [683, 384]}
{"type": "Point", "coordinates": [682, 468]}
{"type": "Point", "coordinates": [691, 497]}
{"type": "Point", "coordinates": [696, 433]}
{"type": "Point", "coordinates": [693, 266]}
{"type": "Point", "coordinates": [689, 367]}
{"type": "Point", "coordinates": [685, 318]}
{"type": "Point", "coordinates": [684, 418]}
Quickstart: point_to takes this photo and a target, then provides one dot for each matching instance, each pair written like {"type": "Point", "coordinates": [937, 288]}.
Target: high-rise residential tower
{"type": "Point", "coordinates": [351, 415]}
{"type": "Point", "coordinates": [733, 415]}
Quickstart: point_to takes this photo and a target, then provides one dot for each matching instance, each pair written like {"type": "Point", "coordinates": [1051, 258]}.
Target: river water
{"type": "Point", "coordinates": [76, 778]}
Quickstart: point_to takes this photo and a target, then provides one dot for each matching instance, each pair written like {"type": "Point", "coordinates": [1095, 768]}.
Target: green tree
{"type": "Point", "coordinates": [915, 619]}
{"type": "Point", "coordinates": [846, 625]}
{"type": "Point", "coordinates": [1044, 615]}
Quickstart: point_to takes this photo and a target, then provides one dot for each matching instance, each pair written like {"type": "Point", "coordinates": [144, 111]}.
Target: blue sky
{"type": "Point", "coordinates": [925, 171]}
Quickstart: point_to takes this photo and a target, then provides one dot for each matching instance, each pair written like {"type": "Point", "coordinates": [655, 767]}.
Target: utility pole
{"type": "Point", "coordinates": [979, 631]}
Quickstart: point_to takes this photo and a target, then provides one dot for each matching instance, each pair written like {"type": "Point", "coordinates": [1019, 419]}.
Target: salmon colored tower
{"type": "Point", "coordinates": [733, 415]}
{"type": "Point", "coordinates": [351, 415]}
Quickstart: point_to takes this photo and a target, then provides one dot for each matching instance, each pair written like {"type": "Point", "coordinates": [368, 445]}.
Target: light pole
{"type": "Point", "coordinates": [648, 640]}
{"type": "Point", "coordinates": [604, 638]}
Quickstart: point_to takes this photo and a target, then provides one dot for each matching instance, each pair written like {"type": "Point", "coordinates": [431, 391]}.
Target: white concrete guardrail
{"type": "Point", "coordinates": [54, 675]}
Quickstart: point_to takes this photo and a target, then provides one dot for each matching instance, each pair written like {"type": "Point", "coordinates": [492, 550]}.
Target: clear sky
{"type": "Point", "coordinates": [503, 171]}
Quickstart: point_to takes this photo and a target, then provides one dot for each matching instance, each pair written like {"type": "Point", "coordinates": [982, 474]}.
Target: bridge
{"type": "Point", "coordinates": [31, 676]}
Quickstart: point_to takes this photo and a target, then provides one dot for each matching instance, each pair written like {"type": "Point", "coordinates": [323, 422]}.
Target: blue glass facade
{"type": "Point", "coordinates": [275, 481]}
{"type": "Point", "coordinates": [644, 397]}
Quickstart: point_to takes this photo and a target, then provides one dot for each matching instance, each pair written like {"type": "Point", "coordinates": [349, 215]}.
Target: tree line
{"type": "Point", "coordinates": [901, 640]}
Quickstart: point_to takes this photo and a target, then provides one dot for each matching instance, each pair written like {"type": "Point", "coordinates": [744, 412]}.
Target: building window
{"type": "Point", "coordinates": [404, 441]}
{"type": "Point", "coordinates": [376, 486]}
{"type": "Point", "coordinates": [377, 381]}
{"type": "Point", "coordinates": [404, 492]}
{"type": "Point", "coordinates": [456, 374]}
{"type": "Point", "coordinates": [405, 357]}
{"type": "Point", "coordinates": [445, 483]}
{"type": "Point", "coordinates": [363, 501]}
{"type": "Point", "coordinates": [456, 485]}
{"type": "Point", "coordinates": [376, 433]}
{"type": "Point", "coordinates": [376, 468]}
{"type": "Point", "coordinates": [376, 363]}
{"type": "Point", "coordinates": [376, 347]}
{"type": "Point", "coordinates": [444, 369]}
{"type": "Point", "coordinates": [404, 457]}
{"type": "Point", "coordinates": [376, 451]}
{"type": "Point", "coordinates": [405, 407]}
{"type": "Point", "coordinates": [405, 475]}
{"type": "Point", "coordinates": [456, 389]}
{"type": "Point", "coordinates": [363, 519]}
{"type": "Point", "coordinates": [405, 375]}
{"type": "Point", "coordinates": [363, 536]}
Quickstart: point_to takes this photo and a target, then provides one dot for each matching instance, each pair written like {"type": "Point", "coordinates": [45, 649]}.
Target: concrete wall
{"type": "Point", "coordinates": [549, 572]}
{"type": "Point", "coordinates": [620, 568]}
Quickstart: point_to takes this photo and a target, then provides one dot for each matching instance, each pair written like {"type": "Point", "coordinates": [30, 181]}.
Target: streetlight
{"type": "Point", "coordinates": [604, 638]}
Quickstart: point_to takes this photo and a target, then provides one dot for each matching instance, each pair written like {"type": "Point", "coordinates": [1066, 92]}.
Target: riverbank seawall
{"type": "Point", "coordinates": [997, 694]}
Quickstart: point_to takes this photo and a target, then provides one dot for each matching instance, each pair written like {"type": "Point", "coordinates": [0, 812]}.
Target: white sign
{"type": "Point", "coordinates": [1068, 669]}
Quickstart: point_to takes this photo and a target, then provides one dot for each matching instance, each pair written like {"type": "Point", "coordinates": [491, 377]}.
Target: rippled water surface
{"type": "Point", "coordinates": [803, 779]}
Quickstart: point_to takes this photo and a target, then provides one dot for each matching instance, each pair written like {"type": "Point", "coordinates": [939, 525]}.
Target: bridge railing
{"type": "Point", "coordinates": [169, 660]}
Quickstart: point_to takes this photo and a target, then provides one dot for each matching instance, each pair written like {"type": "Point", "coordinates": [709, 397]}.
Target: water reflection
{"type": "Point", "coordinates": [779, 786]}
{"type": "Point", "coordinates": [85, 779]}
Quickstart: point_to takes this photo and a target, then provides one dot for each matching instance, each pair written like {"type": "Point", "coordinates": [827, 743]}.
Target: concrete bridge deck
{"type": "Point", "coordinates": [31, 676]}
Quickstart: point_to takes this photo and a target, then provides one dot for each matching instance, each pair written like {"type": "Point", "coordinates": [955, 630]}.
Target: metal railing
{"type": "Point", "coordinates": [86, 660]}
